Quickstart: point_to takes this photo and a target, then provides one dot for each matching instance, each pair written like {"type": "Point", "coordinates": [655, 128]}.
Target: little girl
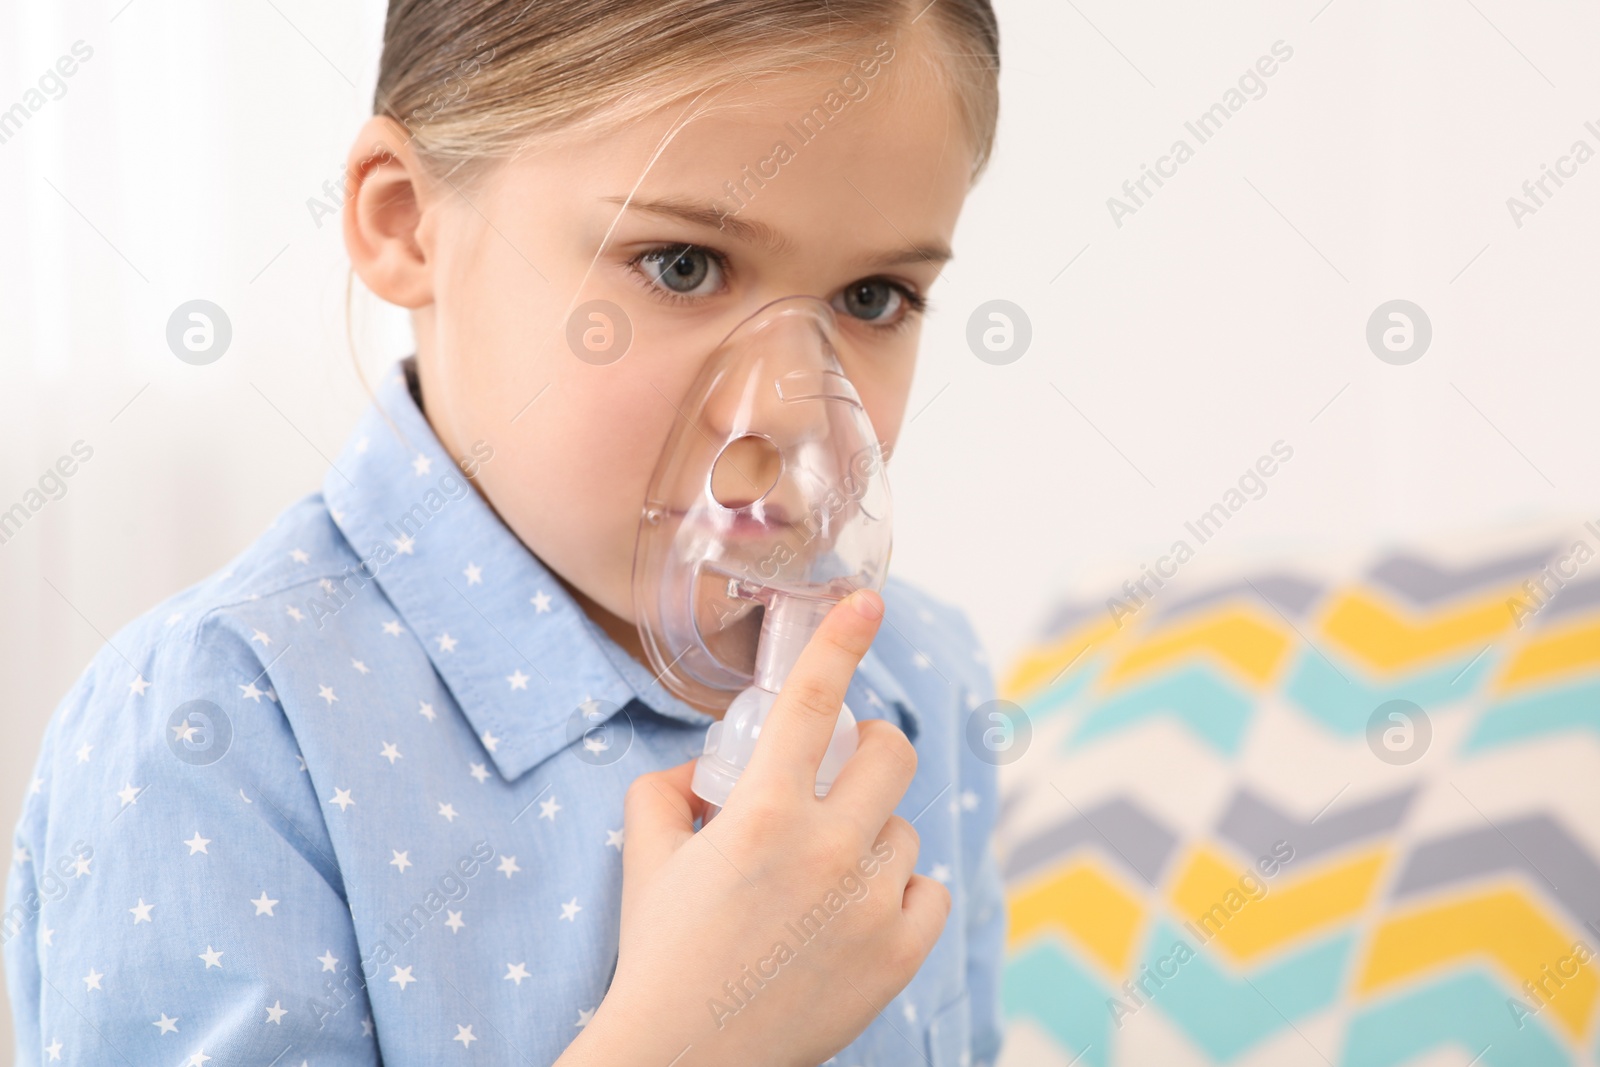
{"type": "Point", "coordinates": [337, 804]}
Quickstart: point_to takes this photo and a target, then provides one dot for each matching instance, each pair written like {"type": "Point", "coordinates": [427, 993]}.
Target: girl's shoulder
{"type": "Point", "coordinates": [926, 632]}
{"type": "Point", "coordinates": [201, 648]}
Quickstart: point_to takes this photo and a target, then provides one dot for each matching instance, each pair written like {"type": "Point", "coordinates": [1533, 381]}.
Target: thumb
{"type": "Point", "coordinates": [658, 816]}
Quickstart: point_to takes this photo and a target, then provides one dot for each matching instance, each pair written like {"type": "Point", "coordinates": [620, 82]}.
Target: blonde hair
{"type": "Point", "coordinates": [474, 80]}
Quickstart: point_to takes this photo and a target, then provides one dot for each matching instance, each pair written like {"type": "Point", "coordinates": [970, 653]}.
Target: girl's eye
{"type": "Point", "coordinates": [879, 301]}
{"type": "Point", "coordinates": [682, 270]}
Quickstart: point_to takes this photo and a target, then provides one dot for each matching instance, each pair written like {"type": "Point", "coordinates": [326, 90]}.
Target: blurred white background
{"type": "Point", "coordinates": [1227, 313]}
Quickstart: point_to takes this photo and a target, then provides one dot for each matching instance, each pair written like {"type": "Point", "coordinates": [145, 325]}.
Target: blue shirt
{"type": "Point", "coordinates": [345, 802]}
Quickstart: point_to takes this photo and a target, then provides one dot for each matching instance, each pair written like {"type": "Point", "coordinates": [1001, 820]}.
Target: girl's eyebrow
{"type": "Point", "coordinates": [765, 237]}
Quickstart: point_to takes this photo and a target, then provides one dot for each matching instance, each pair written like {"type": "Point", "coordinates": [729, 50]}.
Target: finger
{"type": "Point", "coordinates": [896, 850]}
{"type": "Point", "coordinates": [657, 817]}
{"type": "Point", "coordinates": [876, 777]}
{"type": "Point", "coordinates": [925, 908]}
{"type": "Point", "coordinates": [800, 724]}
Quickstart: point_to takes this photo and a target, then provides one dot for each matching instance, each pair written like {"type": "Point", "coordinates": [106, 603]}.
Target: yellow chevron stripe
{"type": "Point", "coordinates": [1241, 639]}
{"type": "Point", "coordinates": [1084, 903]}
{"type": "Point", "coordinates": [1384, 638]}
{"type": "Point", "coordinates": [1037, 668]}
{"type": "Point", "coordinates": [1504, 925]}
{"type": "Point", "coordinates": [1249, 915]}
{"type": "Point", "coordinates": [1558, 652]}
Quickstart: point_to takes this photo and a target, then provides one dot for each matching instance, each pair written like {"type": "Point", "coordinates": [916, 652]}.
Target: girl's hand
{"type": "Point", "coordinates": [776, 933]}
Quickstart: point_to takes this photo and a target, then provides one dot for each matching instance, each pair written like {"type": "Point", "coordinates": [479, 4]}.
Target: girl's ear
{"type": "Point", "coordinates": [383, 215]}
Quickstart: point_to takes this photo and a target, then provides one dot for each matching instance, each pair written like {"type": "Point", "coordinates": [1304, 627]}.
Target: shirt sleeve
{"type": "Point", "coordinates": [985, 904]}
{"type": "Point", "coordinates": [173, 895]}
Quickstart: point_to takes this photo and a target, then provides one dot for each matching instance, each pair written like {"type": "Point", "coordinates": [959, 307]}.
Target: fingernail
{"type": "Point", "coordinates": [868, 603]}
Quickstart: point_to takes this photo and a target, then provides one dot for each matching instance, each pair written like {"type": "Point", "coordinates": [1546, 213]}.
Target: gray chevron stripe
{"type": "Point", "coordinates": [1291, 594]}
{"type": "Point", "coordinates": [1553, 859]}
{"type": "Point", "coordinates": [1571, 599]}
{"type": "Point", "coordinates": [1066, 615]}
{"type": "Point", "coordinates": [1255, 825]}
{"type": "Point", "coordinates": [1424, 582]}
{"type": "Point", "coordinates": [1119, 828]}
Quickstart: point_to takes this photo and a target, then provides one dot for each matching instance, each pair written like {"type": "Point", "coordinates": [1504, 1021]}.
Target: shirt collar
{"type": "Point", "coordinates": [519, 655]}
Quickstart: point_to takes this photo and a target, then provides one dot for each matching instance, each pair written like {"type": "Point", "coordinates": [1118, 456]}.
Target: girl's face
{"type": "Point", "coordinates": [861, 214]}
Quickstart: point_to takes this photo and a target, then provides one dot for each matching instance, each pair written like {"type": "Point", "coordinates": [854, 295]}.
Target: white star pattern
{"type": "Point", "coordinates": [287, 754]}
{"type": "Point", "coordinates": [405, 546]}
{"type": "Point", "coordinates": [422, 464]}
{"type": "Point", "coordinates": [54, 1048]}
{"type": "Point", "coordinates": [197, 1060]}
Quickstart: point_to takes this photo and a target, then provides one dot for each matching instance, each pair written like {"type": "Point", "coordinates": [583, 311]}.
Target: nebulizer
{"type": "Point", "coordinates": [769, 505]}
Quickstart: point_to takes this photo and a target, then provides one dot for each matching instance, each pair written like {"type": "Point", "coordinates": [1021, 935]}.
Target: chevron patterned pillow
{"type": "Point", "coordinates": [1313, 818]}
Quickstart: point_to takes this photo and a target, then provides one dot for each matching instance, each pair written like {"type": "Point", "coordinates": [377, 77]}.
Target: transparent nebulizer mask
{"type": "Point", "coordinates": [769, 505]}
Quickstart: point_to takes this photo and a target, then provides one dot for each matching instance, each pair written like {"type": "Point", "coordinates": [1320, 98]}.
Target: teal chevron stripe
{"type": "Point", "coordinates": [1573, 707]}
{"type": "Point", "coordinates": [1467, 1010]}
{"type": "Point", "coordinates": [1195, 694]}
{"type": "Point", "coordinates": [1344, 704]}
{"type": "Point", "coordinates": [1225, 1015]}
{"type": "Point", "coordinates": [1047, 984]}
{"type": "Point", "coordinates": [1054, 700]}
